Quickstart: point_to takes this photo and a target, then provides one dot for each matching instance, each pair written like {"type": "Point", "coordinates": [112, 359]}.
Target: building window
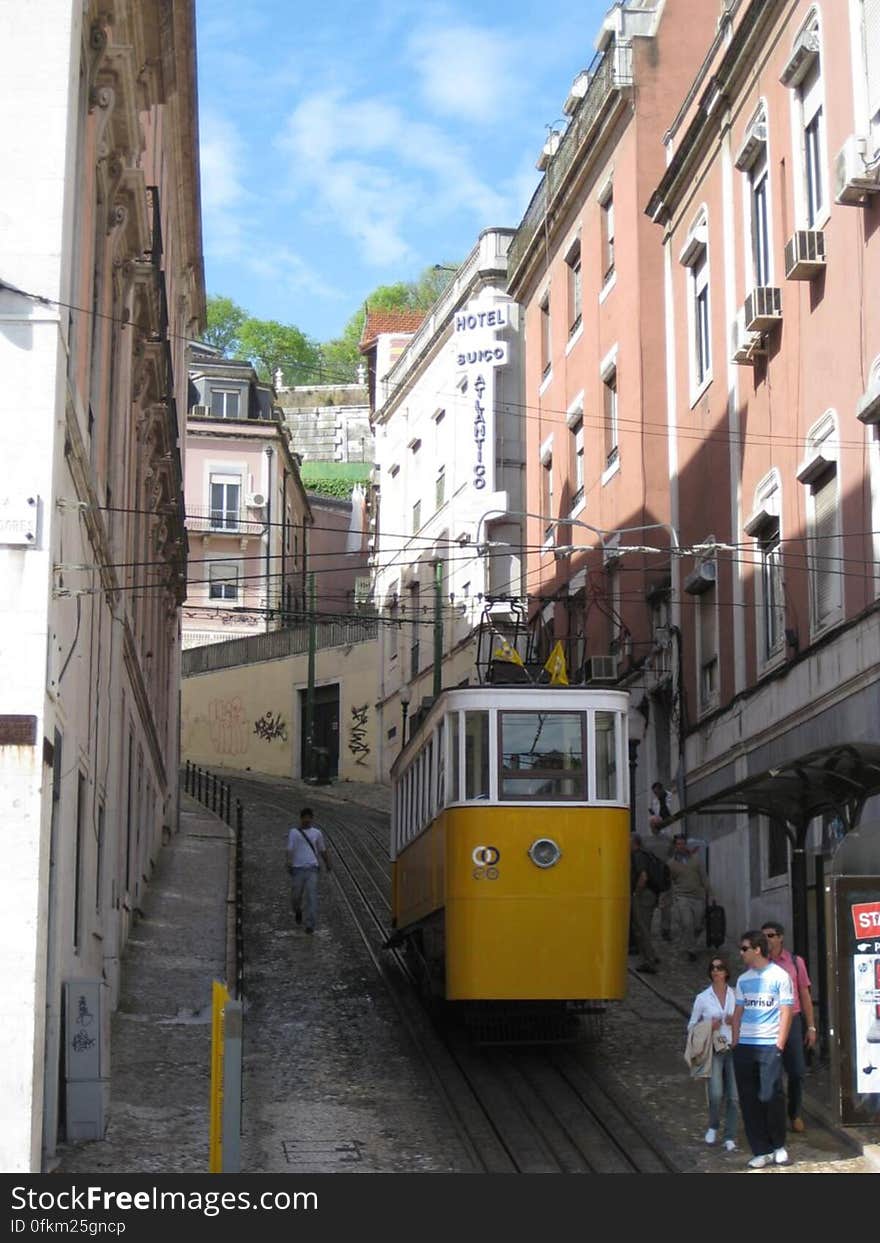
{"type": "Point", "coordinates": [826, 594]}
{"type": "Point", "coordinates": [772, 603]}
{"type": "Point", "coordinates": [577, 461]}
{"type": "Point", "coordinates": [224, 403]}
{"type": "Point", "coordinates": [607, 206]}
{"type": "Point", "coordinates": [223, 580]}
{"type": "Point", "coordinates": [415, 609]}
{"type": "Point", "coordinates": [225, 502]}
{"type": "Point", "coordinates": [416, 516]}
{"type": "Point", "coordinates": [440, 487]}
{"type": "Point", "coordinates": [819, 474]}
{"type": "Point", "coordinates": [547, 495]}
{"type": "Point", "coordinates": [758, 196]}
{"type": "Point", "coordinates": [393, 630]}
{"type": "Point", "coordinates": [545, 336]}
{"type": "Point", "coordinates": [573, 259]}
{"type": "Point", "coordinates": [702, 340]}
{"type": "Point", "coordinates": [812, 114]}
{"type": "Point", "coordinates": [871, 50]}
{"type": "Point", "coordinates": [707, 649]}
{"type": "Point", "coordinates": [609, 393]}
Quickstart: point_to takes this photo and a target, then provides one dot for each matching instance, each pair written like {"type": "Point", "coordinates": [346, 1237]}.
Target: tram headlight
{"type": "Point", "coordinates": [544, 852]}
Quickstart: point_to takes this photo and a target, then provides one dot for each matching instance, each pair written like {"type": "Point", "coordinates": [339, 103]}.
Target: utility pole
{"type": "Point", "coordinates": [308, 766]}
{"type": "Point", "coordinates": [438, 627]}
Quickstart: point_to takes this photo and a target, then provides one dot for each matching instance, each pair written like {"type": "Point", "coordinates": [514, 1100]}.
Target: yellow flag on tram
{"type": "Point", "coordinates": [505, 651]}
{"type": "Point", "coordinates": [555, 666]}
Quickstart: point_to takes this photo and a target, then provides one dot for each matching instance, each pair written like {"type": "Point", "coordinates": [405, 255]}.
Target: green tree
{"type": "Point", "coordinates": [225, 319]}
{"type": "Point", "coordinates": [341, 355]}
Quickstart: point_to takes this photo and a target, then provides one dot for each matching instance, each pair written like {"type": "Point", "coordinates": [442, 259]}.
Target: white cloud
{"type": "Point", "coordinates": [381, 176]}
{"type": "Point", "coordinates": [221, 156]}
{"type": "Point", "coordinates": [466, 71]}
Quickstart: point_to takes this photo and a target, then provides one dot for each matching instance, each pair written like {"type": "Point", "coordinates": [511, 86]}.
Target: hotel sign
{"type": "Point", "coordinates": [478, 352]}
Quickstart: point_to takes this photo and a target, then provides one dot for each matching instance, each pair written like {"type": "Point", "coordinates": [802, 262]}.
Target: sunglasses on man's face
{"type": "Point", "coordinates": [744, 949]}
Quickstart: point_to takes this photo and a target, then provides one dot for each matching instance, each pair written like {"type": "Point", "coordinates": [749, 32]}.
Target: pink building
{"type": "Point", "coordinates": [770, 216]}
{"type": "Point", "coordinates": [247, 515]}
{"type": "Point", "coordinates": [587, 268]}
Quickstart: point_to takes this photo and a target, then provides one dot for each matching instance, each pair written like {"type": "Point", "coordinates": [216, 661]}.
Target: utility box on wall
{"type": "Point", "coordinates": [87, 1082]}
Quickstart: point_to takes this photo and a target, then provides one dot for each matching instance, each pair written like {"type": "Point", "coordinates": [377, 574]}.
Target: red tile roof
{"type": "Point", "coordinates": [379, 322]}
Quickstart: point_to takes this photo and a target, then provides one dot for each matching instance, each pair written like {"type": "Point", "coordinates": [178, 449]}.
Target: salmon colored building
{"type": "Point", "coordinates": [586, 266]}
{"type": "Point", "coordinates": [770, 215]}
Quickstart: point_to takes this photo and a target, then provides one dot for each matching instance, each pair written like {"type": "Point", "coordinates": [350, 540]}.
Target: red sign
{"type": "Point", "coordinates": [866, 919]}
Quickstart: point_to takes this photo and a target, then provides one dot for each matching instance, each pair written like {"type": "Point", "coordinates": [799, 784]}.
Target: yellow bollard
{"type": "Point", "coordinates": [219, 997]}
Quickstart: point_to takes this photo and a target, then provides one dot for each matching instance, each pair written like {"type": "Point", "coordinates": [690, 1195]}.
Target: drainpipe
{"type": "Point", "coordinates": [284, 538]}
{"type": "Point", "coordinates": [269, 454]}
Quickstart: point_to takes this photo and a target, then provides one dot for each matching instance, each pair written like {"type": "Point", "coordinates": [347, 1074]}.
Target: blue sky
{"type": "Point", "coordinates": [345, 146]}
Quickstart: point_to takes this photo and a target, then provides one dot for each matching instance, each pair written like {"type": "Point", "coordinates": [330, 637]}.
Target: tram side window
{"type": "Point", "coordinates": [454, 765]}
{"type": "Point", "coordinates": [441, 767]}
{"type": "Point", "coordinates": [606, 756]}
{"type": "Point", "coordinates": [542, 756]}
{"type": "Point", "coordinates": [476, 754]}
{"type": "Point", "coordinates": [428, 802]}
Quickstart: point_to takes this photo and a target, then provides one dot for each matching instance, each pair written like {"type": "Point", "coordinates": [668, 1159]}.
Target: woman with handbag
{"type": "Point", "coordinates": [716, 1004]}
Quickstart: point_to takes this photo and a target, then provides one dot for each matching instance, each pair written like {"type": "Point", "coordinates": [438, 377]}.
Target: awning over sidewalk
{"type": "Point", "coordinates": [838, 779]}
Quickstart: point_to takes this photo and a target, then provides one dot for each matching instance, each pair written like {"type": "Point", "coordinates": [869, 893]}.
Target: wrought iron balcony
{"type": "Point", "coordinates": [217, 521]}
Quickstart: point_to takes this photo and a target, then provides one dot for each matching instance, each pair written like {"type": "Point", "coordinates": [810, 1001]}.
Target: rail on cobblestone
{"type": "Point", "coordinates": [216, 794]}
{"type": "Point", "coordinates": [276, 645]}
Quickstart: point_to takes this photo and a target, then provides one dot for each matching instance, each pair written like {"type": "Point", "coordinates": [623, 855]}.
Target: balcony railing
{"type": "Point", "coordinates": [224, 521]}
{"type": "Point", "coordinates": [609, 72]}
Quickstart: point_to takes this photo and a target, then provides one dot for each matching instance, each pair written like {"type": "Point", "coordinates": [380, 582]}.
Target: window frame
{"type": "Point", "coordinates": [574, 287]}
{"type": "Point", "coordinates": [226, 393]}
{"type": "Point", "coordinates": [225, 479]}
{"type": "Point", "coordinates": [217, 564]}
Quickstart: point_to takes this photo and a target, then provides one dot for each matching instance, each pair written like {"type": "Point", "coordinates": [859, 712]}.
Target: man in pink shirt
{"type": "Point", "coordinates": [799, 1036]}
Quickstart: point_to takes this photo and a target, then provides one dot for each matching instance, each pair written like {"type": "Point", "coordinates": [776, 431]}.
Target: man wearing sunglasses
{"type": "Point", "coordinates": [761, 1023]}
{"type": "Point", "coordinates": [802, 1011]}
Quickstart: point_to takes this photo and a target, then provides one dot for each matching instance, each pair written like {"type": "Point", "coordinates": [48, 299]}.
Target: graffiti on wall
{"type": "Point", "coordinates": [227, 723]}
{"type": "Point", "coordinates": [357, 735]}
{"type": "Point", "coordinates": [270, 727]}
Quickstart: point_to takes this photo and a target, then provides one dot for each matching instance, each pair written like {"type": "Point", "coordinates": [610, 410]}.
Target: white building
{"type": "Point", "coordinates": [450, 460]}
{"type": "Point", "coordinates": [102, 285]}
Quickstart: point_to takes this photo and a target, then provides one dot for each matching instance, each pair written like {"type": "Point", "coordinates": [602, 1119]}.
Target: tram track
{"type": "Point", "coordinates": [533, 1109]}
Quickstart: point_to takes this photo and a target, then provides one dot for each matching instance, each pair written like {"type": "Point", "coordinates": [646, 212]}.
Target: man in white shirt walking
{"type": "Point", "coordinates": [761, 1023]}
{"type": "Point", "coordinates": [306, 850]}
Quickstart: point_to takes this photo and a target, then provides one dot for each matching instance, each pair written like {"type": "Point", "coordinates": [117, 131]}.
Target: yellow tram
{"type": "Point", "coordinates": [510, 846]}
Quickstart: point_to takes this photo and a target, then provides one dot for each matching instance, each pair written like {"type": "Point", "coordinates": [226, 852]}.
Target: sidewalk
{"type": "Point", "coordinates": [161, 1031]}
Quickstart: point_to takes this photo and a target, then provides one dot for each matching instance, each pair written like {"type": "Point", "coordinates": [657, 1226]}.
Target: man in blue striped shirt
{"type": "Point", "coordinates": [761, 1023]}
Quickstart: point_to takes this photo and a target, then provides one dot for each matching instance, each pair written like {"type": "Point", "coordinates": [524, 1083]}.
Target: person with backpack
{"type": "Point", "coordinates": [659, 843]}
{"type": "Point", "coordinates": [644, 903]}
{"type": "Point", "coordinates": [690, 891]}
{"type": "Point", "coordinates": [799, 1036]}
{"type": "Point", "coordinates": [306, 850]}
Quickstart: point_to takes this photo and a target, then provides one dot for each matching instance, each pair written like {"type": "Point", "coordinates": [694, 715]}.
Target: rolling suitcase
{"type": "Point", "coordinates": [716, 925]}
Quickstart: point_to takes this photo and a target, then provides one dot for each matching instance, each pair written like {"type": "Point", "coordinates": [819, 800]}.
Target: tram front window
{"type": "Point", "coordinates": [542, 756]}
{"type": "Point", "coordinates": [476, 754]}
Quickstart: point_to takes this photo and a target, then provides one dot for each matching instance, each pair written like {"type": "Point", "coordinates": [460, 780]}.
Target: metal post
{"type": "Point", "coordinates": [438, 627]}
{"type": "Point", "coordinates": [633, 765]}
{"type": "Point", "coordinates": [199, 783]}
{"type": "Point", "coordinates": [798, 840]}
{"type": "Point", "coordinates": [231, 1107]}
{"type": "Point", "coordinates": [213, 791]}
{"type": "Point", "coordinates": [186, 778]}
{"type": "Point", "coordinates": [308, 765]}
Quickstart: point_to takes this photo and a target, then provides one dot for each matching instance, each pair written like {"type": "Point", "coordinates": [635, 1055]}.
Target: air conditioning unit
{"type": "Point", "coordinates": [853, 180]}
{"type": "Point", "coordinates": [763, 309]}
{"type": "Point", "coordinates": [805, 254]}
{"type": "Point", "coordinates": [578, 90]}
{"type": "Point", "coordinates": [256, 500]}
{"type": "Point", "coordinates": [702, 578]}
{"type": "Point", "coordinates": [200, 412]}
{"type": "Point", "coordinates": [600, 669]}
{"type": "Point", "coordinates": [549, 149]}
{"type": "Point", "coordinates": [746, 346]}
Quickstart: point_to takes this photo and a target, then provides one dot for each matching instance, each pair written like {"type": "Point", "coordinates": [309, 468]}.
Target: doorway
{"type": "Point", "coordinates": [325, 732]}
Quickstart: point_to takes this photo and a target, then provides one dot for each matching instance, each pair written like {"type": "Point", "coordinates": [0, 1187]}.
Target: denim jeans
{"type": "Point", "coordinates": [721, 1084]}
{"type": "Point", "coordinates": [795, 1065]}
{"type": "Point", "coordinates": [304, 893]}
{"type": "Point", "coordinates": [759, 1083]}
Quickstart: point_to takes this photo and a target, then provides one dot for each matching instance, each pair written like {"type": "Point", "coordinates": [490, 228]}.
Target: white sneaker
{"type": "Point", "coordinates": [780, 1157]}
{"type": "Point", "coordinates": [758, 1163]}
{"type": "Point", "coordinates": [730, 1145]}
{"type": "Point", "coordinates": [711, 1135]}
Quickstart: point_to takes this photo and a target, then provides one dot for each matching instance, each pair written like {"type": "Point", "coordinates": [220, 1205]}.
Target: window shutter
{"type": "Point", "coordinates": [871, 31]}
{"type": "Point", "coordinates": [707, 627]}
{"type": "Point", "coordinates": [825, 568]}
